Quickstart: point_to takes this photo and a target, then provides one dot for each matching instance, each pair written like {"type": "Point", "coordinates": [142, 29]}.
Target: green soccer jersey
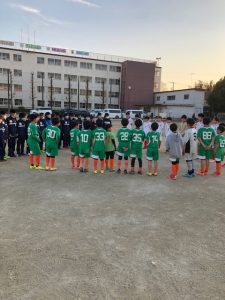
{"type": "Point", "coordinates": [108, 143]}
{"type": "Point", "coordinates": [153, 139]}
{"type": "Point", "coordinates": [74, 138]}
{"type": "Point", "coordinates": [137, 138]}
{"type": "Point", "coordinates": [85, 140]}
{"type": "Point", "coordinates": [124, 137]}
{"type": "Point", "coordinates": [33, 135]}
{"type": "Point", "coordinates": [99, 137]}
{"type": "Point", "coordinates": [206, 134]}
{"type": "Point", "coordinates": [220, 140]}
{"type": "Point", "coordinates": [51, 135]}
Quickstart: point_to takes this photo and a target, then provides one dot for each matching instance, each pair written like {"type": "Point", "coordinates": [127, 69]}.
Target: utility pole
{"type": "Point", "coordinates": [42, 87]}
{"type": "Point", "coordinates": [11, 88]}
{"type": "Point", "coordinates": [173, 85]}
{"type": "Point", "coordinates": [78, 93]}
{"type": "Point", "coordinates": [103, 94]}
{"type": "Point", "coordinates": [87, 90]}
{"type": "Point", "coordinates": [51, 92]}
{"type": "Point", "coordinates": [110, 96]}
{"type": "Point", "coordinates": [32, 89]}
{"type": "Point", "coordinates": [8, 74]}
{"type": "Point", "coordinates": [69, 91]}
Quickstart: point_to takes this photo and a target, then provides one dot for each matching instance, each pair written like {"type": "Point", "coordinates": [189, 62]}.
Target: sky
{"type": "Point", "coordinates": [187, 35]}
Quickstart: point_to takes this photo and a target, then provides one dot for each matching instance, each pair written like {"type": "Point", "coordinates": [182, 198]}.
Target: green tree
{"type": "Point", "coordinates": [216, 99]}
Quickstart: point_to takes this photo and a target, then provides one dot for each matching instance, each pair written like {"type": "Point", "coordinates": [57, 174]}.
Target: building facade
{"type": "Point", "coordinates": [179, 102]}
{"type": "Point", "coordinates": [34, 76]}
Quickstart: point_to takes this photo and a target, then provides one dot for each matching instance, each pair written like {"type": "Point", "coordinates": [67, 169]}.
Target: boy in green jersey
{"type": "Point", "coordinates": [153, 143]}
{"type": "Point", "coordinates": [218, 150]}
{"type": "Point", "coordinates": [85, 146]}
{"type": "Point", "coordinates": [51, 135]}
{"type": "Point", "coordinates": [206, 136]}
{"type": "Point", "coordinates": [110, 148]}
{"type": "Point", "coordinates": [34, 143]}
{"type": "Point", "coordinates": [123, 149]}
{"type": "Point", "coordinates": [98, 151]}
{"type": "Point", "coordinates": [74, 145]}
{"type": "Point", "coordinates": [137, 139]}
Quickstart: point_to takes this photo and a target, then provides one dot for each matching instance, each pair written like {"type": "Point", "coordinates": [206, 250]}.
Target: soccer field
{"type": "Point", "coordinates": [66, 235]}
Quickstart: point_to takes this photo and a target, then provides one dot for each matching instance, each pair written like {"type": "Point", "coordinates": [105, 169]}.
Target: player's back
{"type": "Point", "coordinates": [124, 137]}
{"type": "Point", "coordinates": [153, 138]}
{"type": "Point", "coordinates": [137, 138]}
{"type": "Point", "coordinates": [74, 136]}
{"type": "Point", "coordinates": [99, 137]}
{"type": "Point", "coordinates": [32, 131]}
{"type": "Point", "coordinates": [85, 139]}
{"type": "Point", "coordinates": [52, 135]}
{"type": "Point", "coordinates": [206, 134]}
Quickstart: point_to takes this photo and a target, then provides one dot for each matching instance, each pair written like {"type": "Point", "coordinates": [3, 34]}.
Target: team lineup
{"type": "Point", "coordinates": [90, 138]}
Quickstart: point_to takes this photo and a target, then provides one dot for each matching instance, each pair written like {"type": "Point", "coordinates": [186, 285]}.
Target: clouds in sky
{"type": "Point", "coordinates": [85, 3]}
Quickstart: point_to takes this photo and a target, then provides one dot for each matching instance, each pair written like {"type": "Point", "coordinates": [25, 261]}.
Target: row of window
{"type": "Point", "coordinates": [17, 102]}
{"type": "Point", "coordinates": [17, 87]}
{"type": "Point", "coordinates": [4, 72]}
{"type": "Point", "coordinates": [173, 97]}
{"type": "Point", "coordinates": [6, 56]}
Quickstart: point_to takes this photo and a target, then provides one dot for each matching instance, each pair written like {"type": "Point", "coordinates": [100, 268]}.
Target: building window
{"type": "Point", "coordinates": [99, 106]}
{"type": "Point", "coordinates": [72, 104]}
{"type": "Point", "coordinates": [82, 105]}
{"type": "Point", "coordinates": [172, 97]}
{"type": "Point", "coordinates": [40, 60]}
{"type": "Point", "coordinates": [85, 65]}
{"type": "Point", "coordinates": [3, 86]}
{"type": "Point", "coordinates": [56, 76]}
{"type": "Point", "coordinates": [55, 90]}
{"type": "Point", "coordinates": [4, 56]}
{"type": "Point", "coordinates": [114, 81]}
{"type": "Point", "coordinates": [156, 85]}
{"type": "Point", "coordinates": [70, 63]}
{"type": "Point", "coordinates": [101, 67]}
{"type": "Point", "coordinates": [18, 102]}
{"type": "Point", "coordinates": [114, 94]}
{"type": "Point", "coordinates": [115, 69]}
{"type": "Point", "coordinates": [158, 98]}
{"type": "Point", "coordinates": [157, 73]}
{"type": "Point", "coordinates": [72, 91]}
{"type": "Point", "coordinates": [41, 103]}
{"type": "Point", "coordinates": [84, 92]}
{"type": "Point", "coordinates": [100, 93]}
{"type": "Point", "coordinates": [40, 89]}
{"type": "Point", "coordinates": [72, 77]}
{"type": "Point", "coordinates": [186, 96]}
{"type": "Point", "coordinates": [4, 71]}
{"type": "Point", "coordinates": [3, 101]}
{"type": "Point", "coordinates": [18, 73]}
{"type": "Point", "coordinates": [55, 62]}
{"type": "Point", "coordinates": [17, 87]}
{"type": "Point", "coordinates": [40, 75]}
{"type": "Point", "coordinates": [54, 103]}
{"type": "Point", "coordinates": [85, 79]}
{"type": "Point", "coordinates": [100, 80]}
{"type": "Point", "coordinates": [17, 57]}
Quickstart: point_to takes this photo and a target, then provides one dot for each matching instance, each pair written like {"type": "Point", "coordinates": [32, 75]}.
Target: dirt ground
{"type": "Point", "coordinates": [66, 235]}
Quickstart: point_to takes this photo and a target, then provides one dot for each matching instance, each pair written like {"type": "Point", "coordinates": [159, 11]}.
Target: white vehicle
{"type": "Point", "coordinates": [40, 110]}
{"type": "Point", "coordinates": [113, 113]}
{"type": "Point", "coordinates": [133, 112]}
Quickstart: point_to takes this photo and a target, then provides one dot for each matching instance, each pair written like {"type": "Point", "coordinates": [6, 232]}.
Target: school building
{"type": "Point", "coordinates": [35, 76]}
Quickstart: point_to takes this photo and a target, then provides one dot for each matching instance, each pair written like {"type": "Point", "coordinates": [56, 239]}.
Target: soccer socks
{"type": "Point", "coordinates": [102, 165]}
{"type": "Point", "coordinates": [218, 168]}
{"type": "Point", "coordinates": [126, 164]}
{"type": "Point", "coordinates": [31, 159]}
{"type": "Point", "coordinates": [37, 159]}
{"type": "Point", "coordinates": [173, 171]}
{"type": "Point", "coordinates": [52, 162]}
{"type": "Point", "coordinates": [86, 163]}
{"type": "Point", "coordinates": [119, 164]}
{"type": "Point", "coordinates": [95, 165]}
{"type": "Point", "coordinates": [47, 161]}
{"type": "Point", "coordinates": [107, 163]}
{"type": "Point", "coordinates": [72, 159]}
{"type": "Point", "coordinates": [78, 161]}
{"type": "Point", "coordinates": [111, 164]}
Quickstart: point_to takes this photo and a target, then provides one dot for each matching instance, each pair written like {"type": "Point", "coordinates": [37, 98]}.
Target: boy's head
{"type": "Point", "coordinates": [127, 114]}
{"type": "Point", "coordinates": [108, 127]}
{"type": "Point", "coordinates": [173, 127]}
{"type": "Point", "coordinates": [55, 121]}
{"type": "Point", "coordinates": [159, 119]}
{"type": "Point", "coordinates": [34, 117]}
{"type": "Point", "coordinates": [13, 113]}
{"type": "Point", "coordinates": [154, 126]}
{"type": "Point", "coordinates": [22, 115]}
{"type": "Point", "coordinates": [137, 116]}
{"type": "Point", "coordinates": [183, 118]}
{"type": "Point", "coordinates": [4, 114]}
{"type": "Point", "coordinates": [200, 117]}
{"type": "Point", "coordinates": [99, 115]}
{"type": "Point", "coordinates": [41, 115]}
{"type": "Point", "coordinates": [1, 119]}
{"type": "Point", "coordinates": [66, 116]}
{"type": "Point", "coordinates": [146, 118]}
{"type": "Point", "coordinates": [48, 115]}
{"type": "Point", "coordinates": [87, 125]}
{"type": "Point", "coordinates": [216, 120]}
{"type": "Point", "coordinates": [99, 123]}
{"type": "Point", "coordinates": [190, 122]}
{"type": "Point", "coordinates": [138, 123]}
{"type": "Point", "coordinates": [74, 124]}
{"type": "Point", "coordinates": [124, 122]}
{"type": "Point", "coordinates": [169, 120]}
{"type": "Point", "coordinates": [220, 129]}
{"type": "Point", "coordinates": [106, 115]}
{"type": "Point", "coordinates": [206, 121]}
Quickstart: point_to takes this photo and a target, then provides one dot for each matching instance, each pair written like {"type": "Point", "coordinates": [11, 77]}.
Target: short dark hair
{"type": "Point", "coordinates": [184, 117]}
{"type": "Point", "coordinates": [99, 123]}
{"type": "Point", "coordinates": [12, 111]}
{"type": "Point", "coordinates": [216, 119]}
{"type": "Point", "coordinates": [221, 128]}
{"type": "Point", "coordinates": [154, 126]}
{"type": "Point", "coordinates": [169, 119]}
{"type": "Point", "coordinates": [99, 114]}
{"type": "Point", "coordinates": [108, 126]}
{"type": "Point", "coordinates": [127, 113]}
{"type": "Point", "coordinates": [32, 117]}
{"type": "Point", "coordinates": [55, 121]}
{"type": "Point", "coordinates": [190, 121]}
{"type": "Point", "coordinates": [201, 115]}
{"type": "Point", "coordinates": [106, 114]}
{"type": "Point", "coordinates": [206, 121]}
{"type": "Point", "coordinates": [74, 124]}
{"type": "Point", "coordinates": [87, 124]}
{"type": "Point", "coordinates": [124, 122]}
{"type": "Point", "coordinates": [146, 118]}
{"type": "Point", "coordinates": [173, 127]}
{"type": "Point", "coordinates": [47, 113]}
{"type": "Point", "coordinates": [22, 115]}
{"type": "Point", "coordinates": [138, 123]}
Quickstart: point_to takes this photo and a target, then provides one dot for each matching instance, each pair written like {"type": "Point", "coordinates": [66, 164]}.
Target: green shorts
{"type": "Point", "coordinates": [136, 153]}
{"type": "Point", "coordinates": [204, 154]}
{"type": "Point", "coordinates": [219, 156]}
{"type": "Point", "coordinates": [34, 148]}
{"type": "Point", "coordinates": [122, 152]}
{"type": "Point", "coordinates": [152, 154]}
{"type": "Point", "coordinates": [74, 151]}
{"type": "Point", "coordinates": [52, 150]}
{"type": "Point", "coordinates": [84, 152]}
{"type": "Point", "coordinates": [98, 155]}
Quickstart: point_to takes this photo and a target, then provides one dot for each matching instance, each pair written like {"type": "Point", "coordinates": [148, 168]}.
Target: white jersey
{"type": "Point", "coordinates": [190, 141]}
{"type": "Point", "coordinates": [199, 125]}
{"type": "Point", "coordinates": [167, 129]}
{"type": "Point", "coordinates": [161, 126]}
{"type": "Point", "coordinates": [214, 127]}
{"type": "Point", "coordinates": [147, 127]}
{"type": "Point", "coordinates": [129, 126]}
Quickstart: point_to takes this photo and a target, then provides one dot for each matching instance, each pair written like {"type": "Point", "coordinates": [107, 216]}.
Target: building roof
{"type": "Point", "coordinates": [182, 90]}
